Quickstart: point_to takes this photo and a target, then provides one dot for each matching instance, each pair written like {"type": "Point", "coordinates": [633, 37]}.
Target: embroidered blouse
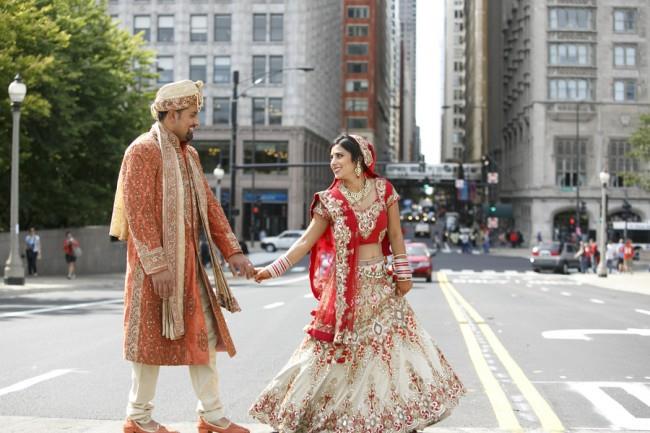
{"type": "Point", "coordinates": [372, 220]}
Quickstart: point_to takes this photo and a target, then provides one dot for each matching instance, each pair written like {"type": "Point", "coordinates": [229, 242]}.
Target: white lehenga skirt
{"type": "Point", "coordinates": [394, 379]}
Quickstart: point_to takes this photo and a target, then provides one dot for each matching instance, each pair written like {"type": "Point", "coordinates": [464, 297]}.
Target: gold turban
{"type": "Point", "coordinates": [178, 96]}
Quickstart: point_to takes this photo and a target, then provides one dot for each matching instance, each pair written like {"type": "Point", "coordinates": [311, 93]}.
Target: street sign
{"type": "Point", "coordinates": [460, 183]}
{"type": "Point", "coordinates": [493, 222]}
{"type": "Point", "coordinates": [493, 177]}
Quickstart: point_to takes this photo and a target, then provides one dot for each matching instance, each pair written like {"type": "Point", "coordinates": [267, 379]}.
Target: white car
{"type": "Point", "coordinates": [422, 229]}
{"type": "Point", "coordinates": [282, 241]}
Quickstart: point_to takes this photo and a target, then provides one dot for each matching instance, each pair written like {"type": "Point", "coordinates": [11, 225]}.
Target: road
{"type": "Point", "coordinates": [535, 351]}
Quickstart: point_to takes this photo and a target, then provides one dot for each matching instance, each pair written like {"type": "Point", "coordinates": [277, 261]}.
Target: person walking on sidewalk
{"type": "Point", "coordinates": [72, 250]}
{"type": "Point", "coordinates": [367, 364]}
{"type": "Point", "coordinates": [628, 256]}
{"type": "Point", "coordinates": [32, 251]}
{"type": "Point", "coordinates": [172, 314]}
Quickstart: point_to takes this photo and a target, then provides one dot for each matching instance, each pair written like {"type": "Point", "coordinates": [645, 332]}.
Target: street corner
{"type": "Point", "coordinates": [637, 282]}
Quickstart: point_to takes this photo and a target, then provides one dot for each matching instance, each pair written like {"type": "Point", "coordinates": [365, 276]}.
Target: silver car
{"type": "Point", "coordinates": [282, 241]}
{"type": "Point", "coordinates": [556, 256]}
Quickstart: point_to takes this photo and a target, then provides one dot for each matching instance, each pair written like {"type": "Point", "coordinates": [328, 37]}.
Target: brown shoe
{"type": "Point", "coordinates": [206, 427]}
{"type": "Point", "coordinates": [131, 426]}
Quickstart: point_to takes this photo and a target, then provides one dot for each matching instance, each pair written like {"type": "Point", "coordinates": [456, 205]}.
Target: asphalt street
{"type": "Point", "coordinates": [535, 351]}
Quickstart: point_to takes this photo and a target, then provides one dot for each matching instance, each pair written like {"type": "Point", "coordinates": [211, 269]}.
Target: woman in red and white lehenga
{"type": "Point", "coordinates": [366, 365]}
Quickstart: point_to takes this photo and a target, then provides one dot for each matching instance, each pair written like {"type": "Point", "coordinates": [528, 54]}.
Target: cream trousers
{"type": "Point", "coordinates": [205, 380]}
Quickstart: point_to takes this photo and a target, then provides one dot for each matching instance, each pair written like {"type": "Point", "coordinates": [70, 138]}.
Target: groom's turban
{"type": "Point", "coordinates": [178, 96]}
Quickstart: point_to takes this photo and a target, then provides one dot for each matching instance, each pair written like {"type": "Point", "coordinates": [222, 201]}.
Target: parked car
{"type": "Point", "coordinates": [282, 241]}
{"type": "Point", "coordinates": [420, 259]}
{"type": "Point", "coordinates": [422, 229]}
{"type": "Point", "coordinates": [557, 256]}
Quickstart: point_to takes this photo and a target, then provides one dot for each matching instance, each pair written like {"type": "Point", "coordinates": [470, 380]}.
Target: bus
{"type": "Point", "coordinates": [637, 232]}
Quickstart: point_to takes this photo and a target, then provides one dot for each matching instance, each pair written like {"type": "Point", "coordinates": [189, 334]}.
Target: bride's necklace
{"type": "Point", "coordinates": [355, 197]}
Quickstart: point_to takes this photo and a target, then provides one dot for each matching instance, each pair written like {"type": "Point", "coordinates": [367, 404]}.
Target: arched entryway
{"type": "Point", "coordinates": [564, 224]}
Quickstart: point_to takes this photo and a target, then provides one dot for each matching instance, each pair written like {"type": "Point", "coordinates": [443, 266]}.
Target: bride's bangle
{"type": "Point", "coordinates": [279, 267]}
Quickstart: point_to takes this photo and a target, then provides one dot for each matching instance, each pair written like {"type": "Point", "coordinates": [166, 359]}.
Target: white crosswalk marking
{"type": "Point", "coordinates": [610, 408]}
{"type": "Point", "coordinates": [273, 305]}
{"type": "Point", "coordinates": [34, 380]}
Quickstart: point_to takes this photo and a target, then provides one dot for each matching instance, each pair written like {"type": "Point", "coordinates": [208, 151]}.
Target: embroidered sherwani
{"type": "Point", "coordinates": [142, 171]}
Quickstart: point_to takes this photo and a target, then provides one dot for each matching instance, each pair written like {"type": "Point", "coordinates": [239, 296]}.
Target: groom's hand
{"type": "Point", "coordinates": [241, 266]}
{"type": "Point", "coordinates": [163, 283]}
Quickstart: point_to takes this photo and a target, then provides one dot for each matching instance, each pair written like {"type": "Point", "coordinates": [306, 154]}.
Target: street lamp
{"type": "Point", "coordinates": [218, 174]}
{"type": "Point", "coordinates": [604, 181]}
{"type": "Point", "coordinates": [233, 140]}
{"type": "Point", "coordinates": [578, 148]}
{"type": "Point", "coordinates": [14, 270]}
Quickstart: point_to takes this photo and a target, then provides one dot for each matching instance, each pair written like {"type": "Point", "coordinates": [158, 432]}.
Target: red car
{"type": "Point", "coordinates": [420, 259]}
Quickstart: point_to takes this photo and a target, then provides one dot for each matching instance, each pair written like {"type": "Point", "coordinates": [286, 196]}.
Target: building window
{"type": "Point", "coordinates": [165, 28]}
{"type": "Point", "coordinates": [357, 49]}
{"type": "Point", "coordinates": [357, 30]}
{"type": "Point", "coordinates": [259, 68]}
{"type": "Point", "coordinates": [625, 55]}
{"type": "Point", "coordinates": [165, 69]}
{"type": "Point", "coordinates": [360, 12]}
{"type": "Point", "coordinates": [356, 85]}
{"type": "Point", "coordinates": [625, 20]}
{"type": "Point", "coordinates": [213, 153]}
{"type": "Point", "coordinates": [259, 27]}
{"type": "Point", "coordinates": [624, 90]}
{"type": "Point", "coordinates": [275, 69]}
{"type": "Point", "coordinates": [357, 67]}
{"type": "Point", "coordinates": [458, 153]}
{"type": "Point", "coordinates": [202, 114]}
{"type": "Point", "coordinates": [199, 68]}
{"type": "Point", "coordinates": [566, 162]}
{"type": "Point", "coordinates": [198, 28]}
{"type": "Point", "coordinates": [570, 18]}
{"type": "Point", "coordinates": [221, 111]}
{"type": "Point", "coordinates": [570, 54]}
{"type": "Point", "coordinates": [459, 66]}
{"type": "Point", "coordinates": [259, 111]}
{"type": "Point", "coordinates": [267, 152]}
{"type": "Point", "coordinates": [357, 122]}
{"type": "Point", "coordinates": [356, 104]}
{"type": "Point", "coordinates": [277, 27]}
{"type": "Point", "coordinates": [275, 111]}
{"type": "Point", "coordinates": [142, 24]}
{"type": "Point", "coordinates": [222, 69]}
{"type": "Point", "coordinates": [570, 89]}
{"type": "Point", "coordinates": [222, 27]}
{"type": "Point", "coordinates": [458, 122]}
{"type": "Point", "coordinates": [619, 162]}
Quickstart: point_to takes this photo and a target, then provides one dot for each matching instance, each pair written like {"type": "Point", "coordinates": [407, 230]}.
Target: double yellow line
{"type": "Point", "coordinates": [465, 315]}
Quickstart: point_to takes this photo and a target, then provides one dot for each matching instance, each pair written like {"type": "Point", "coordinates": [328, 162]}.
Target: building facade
{"type": "Point", "coordinates": [285, 115]}
{"type": "Point", "coordinates": [574, 84]}
{"type": "Point", "coordinates": [410, 150]}
{"type": "Point", "coordinates": [453, 114]}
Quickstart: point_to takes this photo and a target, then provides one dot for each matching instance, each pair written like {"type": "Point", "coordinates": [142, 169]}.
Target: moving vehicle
{"type": "Point", "coordinates": [282, 241]}
{"type": "Point", "coordinates": [556, 256]}
{"type": "Point", "coordinates": [420, 259]}
{"type": "Point", "coordinates": [422, 229]}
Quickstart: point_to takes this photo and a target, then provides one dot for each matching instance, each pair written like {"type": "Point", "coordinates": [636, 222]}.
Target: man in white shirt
{"type": "Point", "coordinates": [32, 250]}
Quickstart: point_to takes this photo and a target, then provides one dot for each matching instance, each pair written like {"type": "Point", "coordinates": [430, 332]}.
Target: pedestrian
{"type": "Point", "coordinates": [628, 256]}
{"type": "Point", "coordinates": [205, 251]}
{"type": "Point", "coordinates": [72, 250]}
{"type": "Point", "coordinates": [539, 237]}
{"type": "Point", "coordinates": [620, 255]}
{"type": "Point", "coordinates": [464, 242]}
{"type": "Point", "coordinates": [32, 251]}
{"type": "Point", "coordinates": [367, 364]}
{"type": "Point", "coordinates": [172, 313]}
{"type": "Point", "coordinates": [610, 257]}
{"type": "Point", "coordinates": [594, 254]}
{"type": "Point", "coordinates": [486, 241]}
{"type": "Point", "coordinates": [583, 256]}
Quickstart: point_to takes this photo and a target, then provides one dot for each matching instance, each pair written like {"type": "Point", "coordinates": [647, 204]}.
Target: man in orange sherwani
{"type": "Point", "coordinates": [172, 314]}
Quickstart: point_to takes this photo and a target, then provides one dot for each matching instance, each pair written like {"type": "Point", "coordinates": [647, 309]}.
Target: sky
{"type": "Point", "coordinates": [430, 75]}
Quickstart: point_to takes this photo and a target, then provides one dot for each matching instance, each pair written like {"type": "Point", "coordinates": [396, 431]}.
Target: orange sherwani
{"type": "Point", "coordinates": [143, 201]}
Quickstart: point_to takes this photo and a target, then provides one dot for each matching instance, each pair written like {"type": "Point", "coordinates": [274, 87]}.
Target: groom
{"type": "Point", "coordinates": [172, 314]}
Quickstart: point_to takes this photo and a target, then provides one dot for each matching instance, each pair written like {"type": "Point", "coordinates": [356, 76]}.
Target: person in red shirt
{"type": "Point", "coordinates": [72, 250]}
{"type": "Point", "coordinates": [628, 255]}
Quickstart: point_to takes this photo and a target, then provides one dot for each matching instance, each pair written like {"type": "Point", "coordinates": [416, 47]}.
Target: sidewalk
{"type": "Point", "coordinates": [56, 283]}
{"type": "Point", "coordinates": [638, 282]}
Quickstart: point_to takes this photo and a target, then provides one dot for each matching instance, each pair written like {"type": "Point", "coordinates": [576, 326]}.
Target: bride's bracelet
{"type": "Point", "coordinates": [279, 267]}
{"type": "Point", "coordinates": [402, 268]}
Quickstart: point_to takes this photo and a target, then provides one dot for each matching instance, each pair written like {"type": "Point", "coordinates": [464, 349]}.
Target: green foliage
{"type": "Point", "coordinates": [84, 105]}
{"type": "Point", "coordinates": [640, 142]}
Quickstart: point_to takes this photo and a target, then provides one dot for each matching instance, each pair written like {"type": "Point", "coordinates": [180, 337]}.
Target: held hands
{"type": "Point", "coordinates": [163, 283]}
{"type": "Point", "coordinates": [240, 266]}
{"type": "Point", "coordinates": [261, 274]}
{"type": "Point", "coordinates": [403, 287]}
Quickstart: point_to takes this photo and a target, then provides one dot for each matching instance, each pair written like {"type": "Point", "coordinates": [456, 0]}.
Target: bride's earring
{"type": "Point", "coordinates": [357, 169]}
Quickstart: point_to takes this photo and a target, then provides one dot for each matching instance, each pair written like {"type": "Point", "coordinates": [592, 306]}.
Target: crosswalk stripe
{"type": "Point", "coordinates": [34, 380]}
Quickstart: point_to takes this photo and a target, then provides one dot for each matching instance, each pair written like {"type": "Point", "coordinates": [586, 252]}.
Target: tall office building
{"type": "Point", "coordinates": [410, 150]}
{"type": "Point", "coordinates": [284, 114]}
{"type": "Point", "coordinates": [453, 114]}
{"type": "Point", "coordinates": [574, 81]}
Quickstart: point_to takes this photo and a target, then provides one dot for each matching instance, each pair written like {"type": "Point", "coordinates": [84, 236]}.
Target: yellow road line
{"type": "Point", "coordinates": [498, 399]}
{"type": "Point", "coordinates": [550, 421]}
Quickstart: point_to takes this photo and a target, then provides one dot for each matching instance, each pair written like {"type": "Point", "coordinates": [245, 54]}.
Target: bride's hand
{"type": "Point", "coordinates": [403, 287]}
{"type": "Point", "coordinates": [261, 274]}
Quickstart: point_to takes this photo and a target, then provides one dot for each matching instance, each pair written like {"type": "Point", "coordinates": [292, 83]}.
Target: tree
{"type": "Point", "coordinates": [640, 142]}
{"type": "Point", "coordinates": [84, 105]}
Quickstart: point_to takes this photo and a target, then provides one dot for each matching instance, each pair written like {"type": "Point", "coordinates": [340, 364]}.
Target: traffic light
{"type": "Point", "coordinates": [627, 208]}
{"type": "Point", "coordinates": [572, 222]}
{"type": "Point", "coordinates": [583, 207]}
{"type": "Point", "coordinates": [492, 209]}
{"type": "Point", "coordinates": [426, 183]}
